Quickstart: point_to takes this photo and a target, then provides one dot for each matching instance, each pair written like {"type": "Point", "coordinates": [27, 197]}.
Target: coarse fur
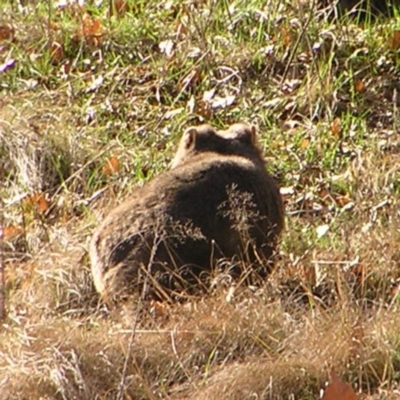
{"type": "Point", "coordinates": [175, 227]}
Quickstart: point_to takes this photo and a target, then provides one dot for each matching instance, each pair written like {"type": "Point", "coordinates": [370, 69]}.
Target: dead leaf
{"type": "Point", "coordinates": [223, 102]}
{"type": "Point", "coordinates": [55, 26]}
{"type": "Point", "coordinates": [180, 29]}
{"type": "Point", "coordinates": [394, 41]}
{"type": "Point", "coordinates": [158, 308]}
{"type": "Point", "coordinates": [38, 202]}
{"type": "Point", "coordinates": [359, 86]}
{"type": "Point", "coordinates": [339, 390]}
{"type": "Point", "coordinates": [291, 86]}
{"type": "Point", "coordinates": [336, 128]}
{"type": "Point", "coordinates": [167, 47]}
{"type": "Point", "coordinates": [7, 33]}
{"type": "Point", "coordinates": [172, 113]}
{"type": "Point", "coordinates": [111, 167]}
{"type": "Point", "coordinates": [119, 7]}
{"type": "Point", "coordinates": [205, 110]}
{"type": "Point", "coordinates": [191, 79]}
{"type": "Point", "coordinates": [312, 274]}
{"type": "Point", "coordinates": [185, 335]}
{"type": "Point", "coordinates": [343, 200]}
{"type": "Point", "coordinates": [322, 230]}
{"type": "Point", "coordinates": [11, 232]}
{"type": "Point", "coordinates": [95, 83]}
{"type": "Point", "coordinates": [305, 144]}
{"type": "Point", "coordinates": [57, 52]}
{"type": "Point", "coordinates": [287, 36]}
{"type": "Point", "coordinates": [92, 30]}
{"type": "Point", "coordinates": [208, 95]}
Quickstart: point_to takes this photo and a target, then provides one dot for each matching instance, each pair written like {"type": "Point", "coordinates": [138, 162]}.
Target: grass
{"type": "Point", "coordinates": [81, 126]}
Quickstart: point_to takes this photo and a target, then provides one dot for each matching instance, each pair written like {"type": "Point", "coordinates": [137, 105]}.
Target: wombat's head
{"type": "Point", "coordinates": [239, 139]}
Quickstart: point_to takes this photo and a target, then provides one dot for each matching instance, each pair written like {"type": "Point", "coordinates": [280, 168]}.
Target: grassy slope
{"type": "Point", "coordinates": [325, 100]}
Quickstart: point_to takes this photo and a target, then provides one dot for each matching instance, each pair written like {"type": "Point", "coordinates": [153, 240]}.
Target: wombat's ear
{"type": "Point", "coordinates": [189, 138]}
{"type": "Point", "coordinates": [245, 133]}
{"type": "Point", "coordinates": [253, 133]}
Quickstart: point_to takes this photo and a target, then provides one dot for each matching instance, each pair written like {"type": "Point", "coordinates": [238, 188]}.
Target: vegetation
{"type": "Point", "coordinates": [93, 101]}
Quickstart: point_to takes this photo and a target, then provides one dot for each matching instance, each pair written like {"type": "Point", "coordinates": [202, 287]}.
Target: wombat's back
{"type": "Point", "coordinates": [185, 218]}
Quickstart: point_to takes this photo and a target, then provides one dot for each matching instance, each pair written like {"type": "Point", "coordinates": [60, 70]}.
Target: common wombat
{"type": "Point", "coordinates": [363, 9]}
{"type": "Point", "coordinates": [216, 202]}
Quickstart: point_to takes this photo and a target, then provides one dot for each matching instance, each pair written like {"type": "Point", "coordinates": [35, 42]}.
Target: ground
{"type": "Point", "coordinates": [94, 98]}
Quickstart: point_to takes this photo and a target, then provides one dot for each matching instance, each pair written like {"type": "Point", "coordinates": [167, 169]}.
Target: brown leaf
{"type": "Point", "coordinates": [343, 200]}
{"type": "Point", "coordinates": [92, 30]}
{"type": "Point", "coordinates": [287, 36]}
{"type": "Point", "coordinates": [158, 308]}
{"type": "Point", "coordinates": [191, 79]}
{"type": "Point", "coordinates": [205, 110]}
{"type": "Point", "coordinates": [7, 33]}
{"type": "Point", "coordinates": [305, 144]}
{"type": "Point", "coordinates": [37, 201]}
{"type": "Point", "coordinates": [359, 86]}
{"type": "Point", "coordinates": [394, 41]}
{"type": "Point", "coordinates": [336, 128]}
{"type": "Point", "coordinates": [311, 274]}
{"type": "Point", "coordinates": [57, 52]}
{"type": "Point", "coordinates": [111, 167]}
{"type": "Point", "coordinates": [119, 7]}
{"type": "Point", "coordinates": [11, 232]}
{"type": "Point", "coordinates": [55, 26]}
{"type": "Point", "coordinates": [339, 390]}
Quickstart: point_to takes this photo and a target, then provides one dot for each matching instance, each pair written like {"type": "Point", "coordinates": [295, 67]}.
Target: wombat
{"type": "Point", "coordinates": [363, 9]}
{"type": "Point", "coordinates": [216, 202]}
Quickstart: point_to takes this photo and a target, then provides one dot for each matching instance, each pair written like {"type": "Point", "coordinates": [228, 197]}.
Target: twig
{"type": "Point", "coordinates": [135, 322]}
{"type": "Point", "coordinates": [164, 332]}
{"type": "Point", "coordinates": [296, 45]}
{"type": "Point", "coordinates": [2, 266]}
{"type": "Point", "coordinates": [180, 361]}
{"type": "Point", "coordinates": [77, 172]}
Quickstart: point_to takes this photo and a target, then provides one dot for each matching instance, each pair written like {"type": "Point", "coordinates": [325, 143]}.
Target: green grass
{"type": "Point", "coordinates": [129, 92]}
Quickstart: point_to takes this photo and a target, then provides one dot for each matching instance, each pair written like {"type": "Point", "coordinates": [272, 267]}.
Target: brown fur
{"type": "Point", "coordinates": [176, 226]}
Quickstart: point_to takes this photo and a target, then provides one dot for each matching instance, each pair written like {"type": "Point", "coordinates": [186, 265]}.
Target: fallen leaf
{"type": "Point", "coordinates": [172, 113]}
{"type": "Point", "coordinates": [111, 167]}
{"type": "Point", "coordinates": [55, 26]}
{"type": "Point", "coordinates": [336, 128]}
{"type": "Point", "coordinates": [7, 33]}
{"type": "Point", "coordinates": [95, 83]}
{"type": "Point", "coordinates": [339, 390]}
{"type": "Point", "coordinates": [57, 52]}
{"type": "Point", "coordinates": [191, 79]}
{"type": "Point", "coordinates": [205, 110]}
{"type": "Point", "coordinates": [223, 102]}
{"type": "Point", "coordinates": [287, 36]}
{"type": "Point", "coordinates": [394, 41]}
{"type": "Point", "coordinates": [37, 201]}
{"type": "Point", "coordinates": [119, 7]}
{"type": "Point", "coordinates": [158, 309]}
{"type": "Point", "coordinates": [291, 85]}
{"type": "Point", "coordinates": [10, 232]}
{"type": "Point", "coordinates": [208, 95]}
{"type": "Point", "coordinates": [167, 47]}
{"type": "Point", "coordinates": [322, 230]}
{"type": "Point", "coordinates": [359, 86]}
{"type": "Point", "coordinates": [343, 200]}
{"type": "Point", "coordinates": [305, 144]}
{"type": "Point", "coordinates": [312, 274]}
{"type": "Point", "coordinates": [92, 30]}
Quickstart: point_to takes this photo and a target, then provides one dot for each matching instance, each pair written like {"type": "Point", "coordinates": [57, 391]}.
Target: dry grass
{"type": "Point", "coordinates": [333, 301]}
